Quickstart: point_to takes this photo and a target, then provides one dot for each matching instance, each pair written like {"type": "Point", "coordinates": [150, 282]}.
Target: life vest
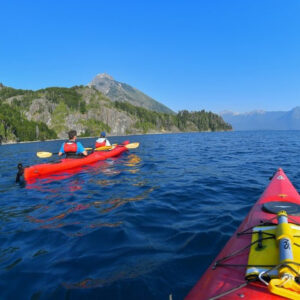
{"type": "Point", "coordinates": [70, 147]}
{"type": "Point", "coordinates": [102, 144]}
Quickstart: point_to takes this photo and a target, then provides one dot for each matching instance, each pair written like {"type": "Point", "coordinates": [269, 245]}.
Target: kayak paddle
{"type": "Point", "coordinates": [132, 145]}
{"type": "Point", "coordinates": [128, 146]}
{"type": "Point", "coordinates": [44, 154]}
{"type": "Point", "coordinates": [106, 147]}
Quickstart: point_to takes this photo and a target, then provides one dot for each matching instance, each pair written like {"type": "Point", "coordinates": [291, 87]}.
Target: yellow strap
{"type": "Point", "coordinates": [285, 287]}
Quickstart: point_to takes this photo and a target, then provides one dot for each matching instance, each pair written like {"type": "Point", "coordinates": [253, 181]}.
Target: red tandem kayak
{"type": "Point", "coordinates": [70, 163]}
{"type": "Point", "coordinates": [262, 259]}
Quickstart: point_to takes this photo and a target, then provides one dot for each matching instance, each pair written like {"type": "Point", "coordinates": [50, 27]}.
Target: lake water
{"type": "Point", "coordinates": [142, 226]}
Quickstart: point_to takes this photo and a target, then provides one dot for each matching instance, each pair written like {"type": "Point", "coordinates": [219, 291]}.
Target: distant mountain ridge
{"type": "Point", "coordinates": [264, 120]}
{"type": "Point", "coordinates": [27, 115]}
{"type": "Point", "coordinates": [118, 91]}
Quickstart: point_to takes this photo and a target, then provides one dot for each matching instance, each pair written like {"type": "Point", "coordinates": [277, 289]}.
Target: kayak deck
{"type": "Point", "coordinates": [225, 278]}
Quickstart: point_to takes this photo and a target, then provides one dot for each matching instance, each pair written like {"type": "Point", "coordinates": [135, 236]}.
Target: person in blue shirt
{"type": "Point", "coordinates": [72, 148]}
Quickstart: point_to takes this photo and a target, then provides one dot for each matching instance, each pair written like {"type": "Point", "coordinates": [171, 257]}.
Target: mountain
{"type": "Point", "coordinates": [27, 115]}
{"type": "Point", "coordinates": [263, 120]}
{"type": "Point", "coordinates": [117, 91]}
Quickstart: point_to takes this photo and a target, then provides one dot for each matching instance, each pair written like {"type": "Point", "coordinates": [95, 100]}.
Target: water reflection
{"type": "Point", "coordinates": [114, 203]}
{"type": "Point", "coordinates": [61, 219]}
{"type": "Point", "coordinates": [135, 269]}
{"type": "Point", "coordinates": [133, 161]}
{"type": "Point", "coordinates": [77, 207]}
{"type": "Point", "coordinates": [64, 209]}
{"type": "Point", "coordinates": [98, 225]}
{"type": "Point", "coordinates": [11, 212]}
{"type": "Point", "coordinates": [8, 259]}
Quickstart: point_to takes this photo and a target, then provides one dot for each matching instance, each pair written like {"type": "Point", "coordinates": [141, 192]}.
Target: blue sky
{"type": "Point", "coordinates": [215, 55]}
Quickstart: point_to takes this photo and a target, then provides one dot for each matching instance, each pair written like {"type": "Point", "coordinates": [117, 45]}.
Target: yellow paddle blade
{"type": "Point", "coordinates": [106, 147]}
{"type": "Point", "coordinates": [44, 154]}
{"type": "Point", "coordinates": [128, 146]}
{"type": "Point", "coordinates": [87, 149]}
{"type": "Point", "coordinates": [132, 145]}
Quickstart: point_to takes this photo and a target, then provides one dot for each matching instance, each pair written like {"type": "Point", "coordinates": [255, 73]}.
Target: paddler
{"type": "Point", "coordinates": [102, 140]}
{"type": "Point", "coordinates": [72, 148]}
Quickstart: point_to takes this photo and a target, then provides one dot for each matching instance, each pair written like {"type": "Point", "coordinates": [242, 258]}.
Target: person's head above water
{"type": "Point", "coordinates": [103, 134]}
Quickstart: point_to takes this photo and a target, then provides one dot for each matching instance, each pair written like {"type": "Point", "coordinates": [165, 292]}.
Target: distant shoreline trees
{"type": "Point", "coordinates": [184, 120]}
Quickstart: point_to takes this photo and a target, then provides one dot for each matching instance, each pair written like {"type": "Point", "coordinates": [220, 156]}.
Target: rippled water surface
{"type": "Point", "coordinates": [142, 226]}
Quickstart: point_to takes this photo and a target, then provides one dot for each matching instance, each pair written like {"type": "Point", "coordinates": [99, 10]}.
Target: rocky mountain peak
{"type": "Point", "coordinates": [102, 82]}
{"type": "Point", "coordinates": [104, 76]}
{"type": "Point", "coordinates": [122, 92]}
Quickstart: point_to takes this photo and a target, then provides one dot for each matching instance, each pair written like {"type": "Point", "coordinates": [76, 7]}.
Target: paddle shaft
{"type": "Point", "coordinates": [44, 154]}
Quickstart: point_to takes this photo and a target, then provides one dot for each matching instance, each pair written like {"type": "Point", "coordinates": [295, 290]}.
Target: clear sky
{"type": "Point", "coordinates": [216, 55]}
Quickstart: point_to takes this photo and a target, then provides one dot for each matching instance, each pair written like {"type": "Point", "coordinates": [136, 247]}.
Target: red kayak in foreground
{"type": "Point", "coordinates": [262, 258]}
{"type": "Point", "coordinates": [70, 163]}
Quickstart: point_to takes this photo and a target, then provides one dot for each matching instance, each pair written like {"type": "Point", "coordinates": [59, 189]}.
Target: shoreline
{"type": "Point", "coordinates": [95, 137]}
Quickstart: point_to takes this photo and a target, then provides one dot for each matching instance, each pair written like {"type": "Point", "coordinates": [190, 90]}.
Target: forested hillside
{"type": "Point", "coordinates": [50, 113]}
{"type": "Point", "coordinates": [14, 126]}
{"type": "Point", "coordinates": [183, 121]}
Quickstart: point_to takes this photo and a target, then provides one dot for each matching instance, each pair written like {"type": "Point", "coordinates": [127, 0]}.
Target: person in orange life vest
{"type": "Point", "coordinates": [102, 141]}
{"type": "Point", "coordinates": [72, 148]}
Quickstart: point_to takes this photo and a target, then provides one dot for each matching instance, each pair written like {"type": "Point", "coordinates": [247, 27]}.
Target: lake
{"type": "Point", "coordinates": [141, 226]}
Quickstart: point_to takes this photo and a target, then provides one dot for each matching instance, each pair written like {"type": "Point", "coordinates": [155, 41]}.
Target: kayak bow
{"type": "Point", "coordinates": [262, 258]}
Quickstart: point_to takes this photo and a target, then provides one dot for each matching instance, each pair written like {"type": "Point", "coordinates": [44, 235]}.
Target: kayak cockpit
{"type": "Point", "coordinates": [274, 207]}
{"type": "Point", "coordinates": [274, 256]}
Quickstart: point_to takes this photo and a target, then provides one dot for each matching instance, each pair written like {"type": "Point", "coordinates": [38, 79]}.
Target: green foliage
{"type": "Point", "coordinates": [7, 92]}
{"type": "Point", "coordinates": [94, 127]}
{"type": "Point", "coordinates": [151, 120]}
{"type": "Point", "coordinates": [59, 116]}
{"type": "Point", "coordinates": [14, 125]}
{"type": "Point", "coordinates": [145, 126]}
{"type": "Point", "coordinates": [25, 101]}
{"type": "Point", "coordinates": [69, 96]}
{"type": "Point", "coordinates": [97, 100]}
{"type": "Point", "coordinates": [204, 121]}
{"type": "Point", "coordinates": [146, 119]}
{"type": "Point", "coordinates": [82, 107]}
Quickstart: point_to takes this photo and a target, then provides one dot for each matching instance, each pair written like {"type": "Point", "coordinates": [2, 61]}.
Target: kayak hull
{"type": "Point", "coordinates": [229, 281]}
{"type": "Point", "coordinates": [41, 170]}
